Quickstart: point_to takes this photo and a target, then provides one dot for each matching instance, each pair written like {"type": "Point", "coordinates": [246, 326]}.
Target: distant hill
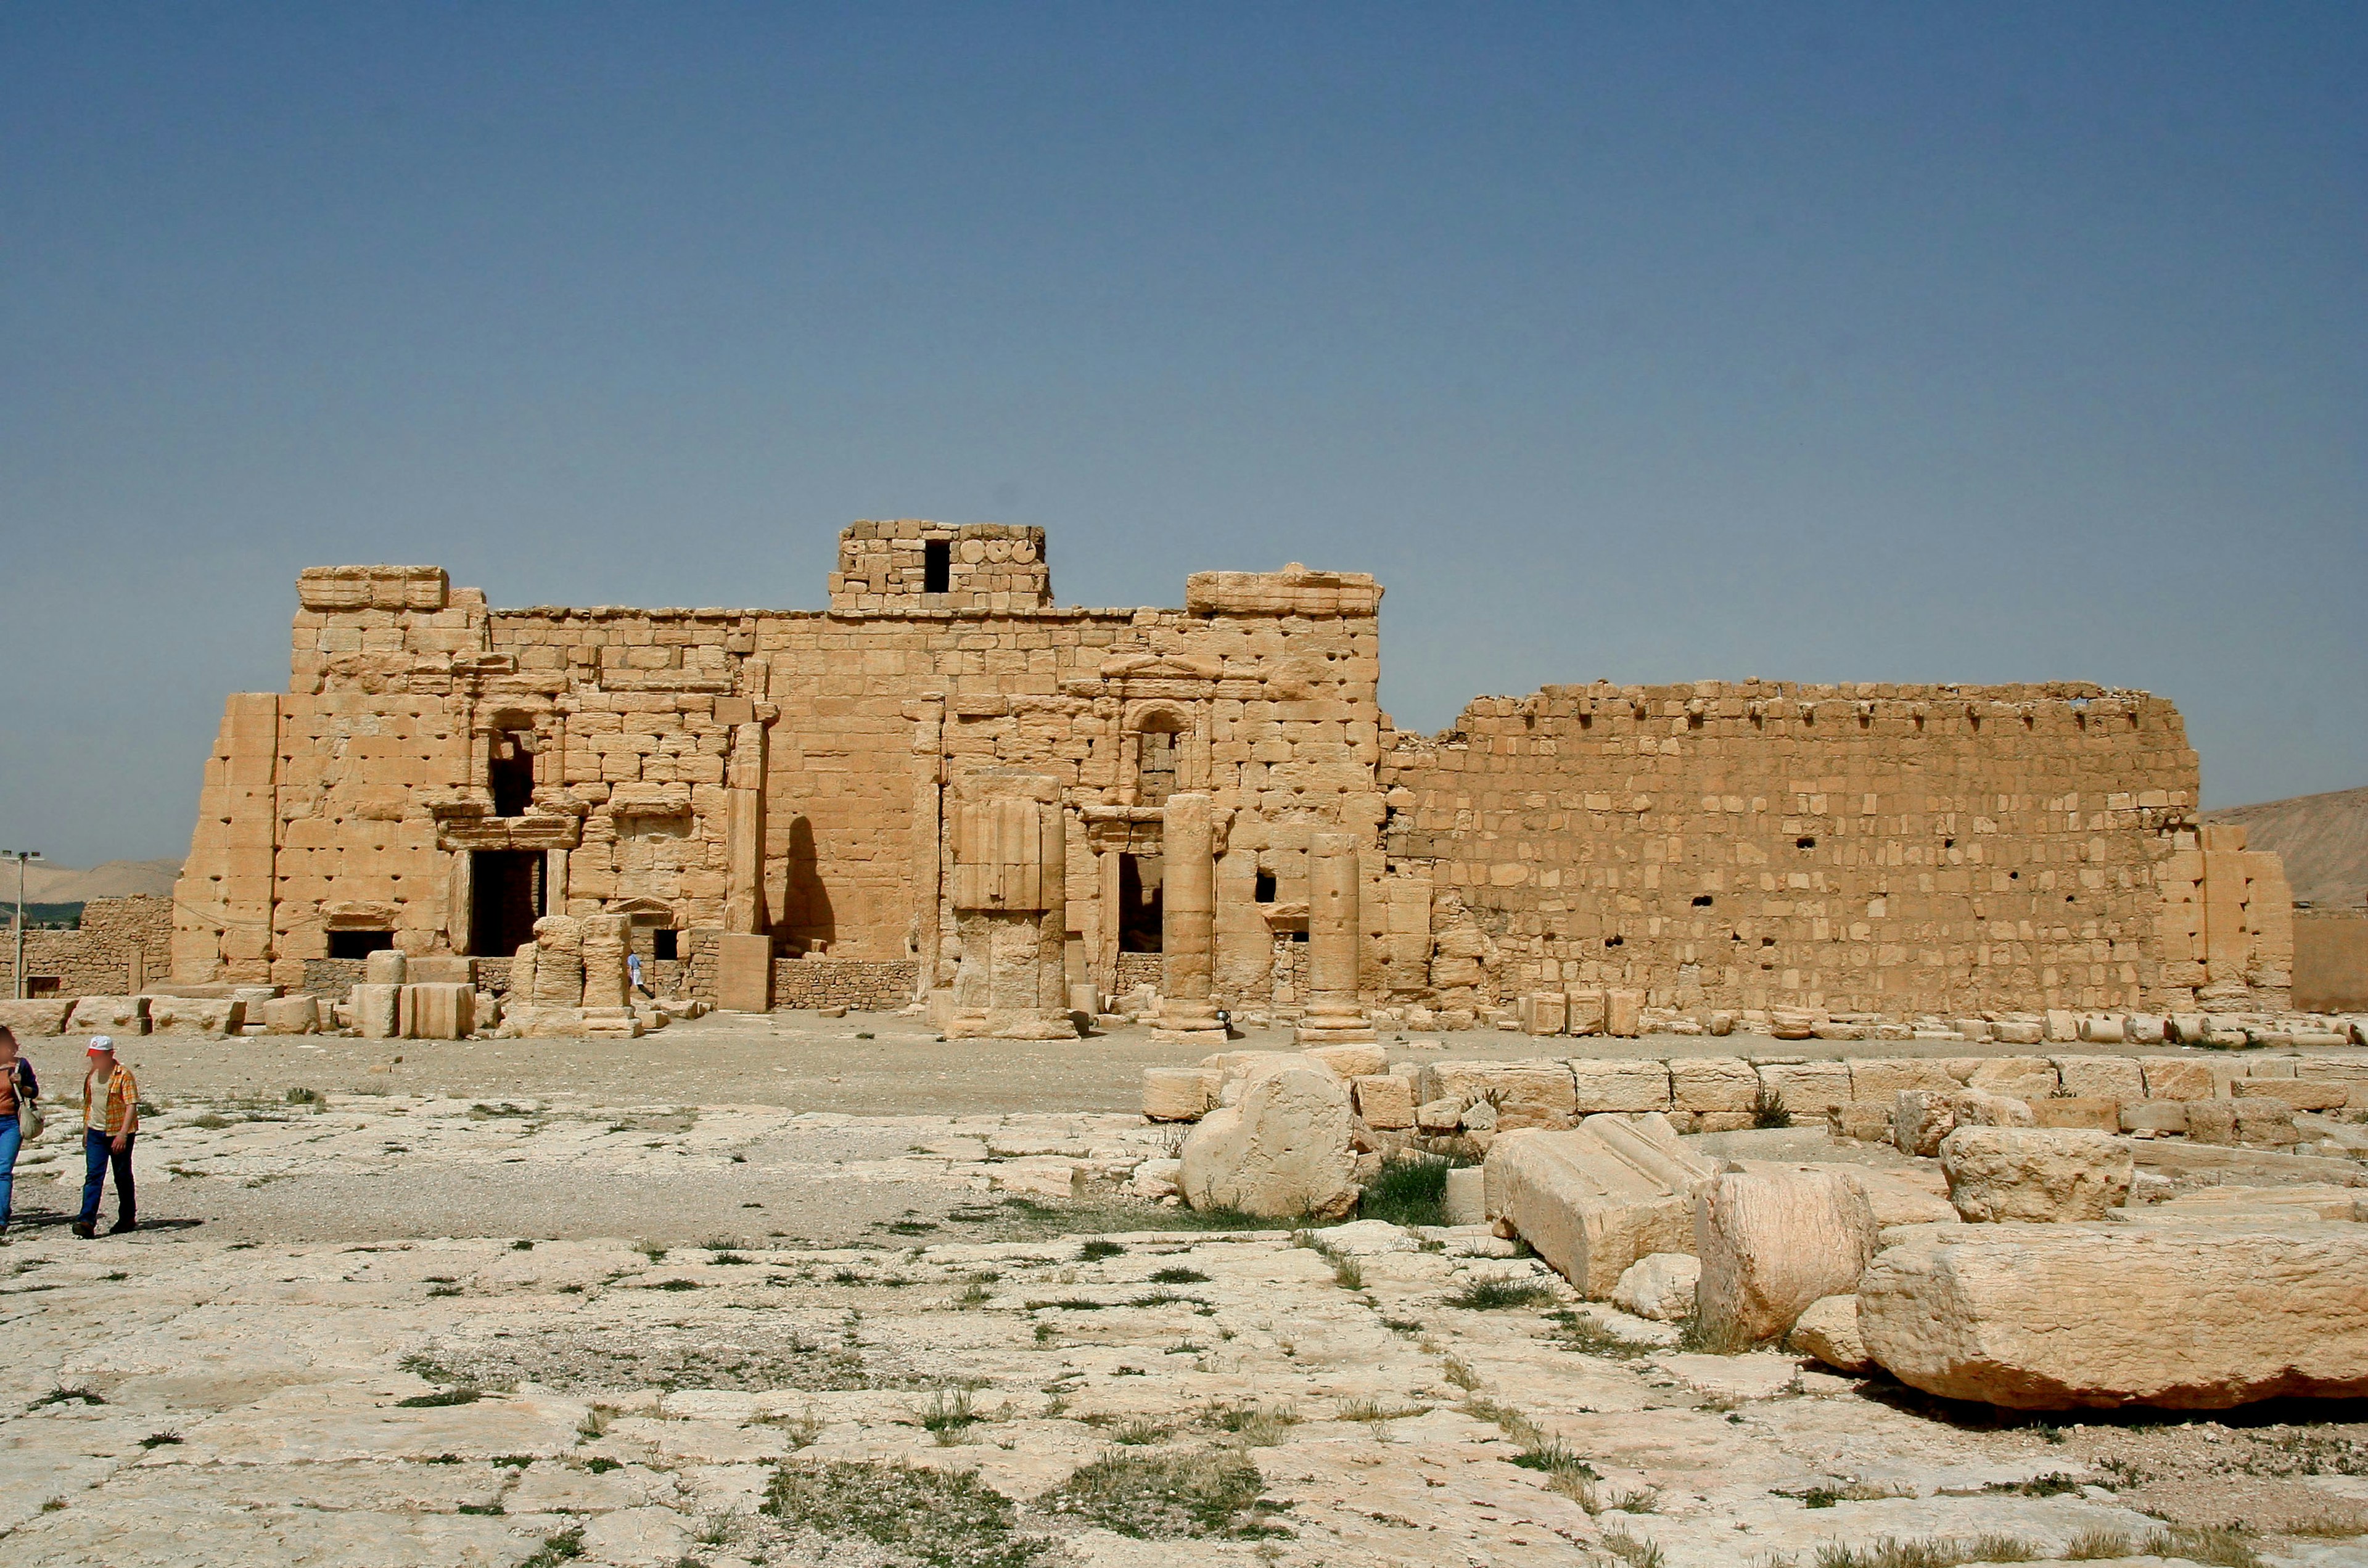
{"type": "Point", "coordinates": [63, 885]}
{"type": "Point", "coordinates": [2323, 837]}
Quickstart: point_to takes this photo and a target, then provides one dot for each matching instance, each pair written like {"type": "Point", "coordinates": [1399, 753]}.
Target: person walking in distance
{"type": "Point", "coordinates": [110, 1120]}
{"type": "Point", "coordinates": [19, 1090]}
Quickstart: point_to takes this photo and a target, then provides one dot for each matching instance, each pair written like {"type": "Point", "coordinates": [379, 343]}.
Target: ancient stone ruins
{"type": "Point", "coordinates": [947, 788]}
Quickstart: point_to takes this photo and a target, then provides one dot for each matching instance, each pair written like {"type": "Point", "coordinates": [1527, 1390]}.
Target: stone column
{"type": "Point", "coordinates": [1334, 1016]}
{"type": "Point", "coordinates": [929, 837]}
{"type": "Point", "coordinates": [606, 1013]}
{"type": "Point", "coordinates": [1186, 920]}
{"type": "Point", "coordinates": [744, 831]}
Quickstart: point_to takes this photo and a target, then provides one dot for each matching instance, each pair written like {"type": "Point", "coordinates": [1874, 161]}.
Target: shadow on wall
{"type": "Point", "coordinates": [806, 915]}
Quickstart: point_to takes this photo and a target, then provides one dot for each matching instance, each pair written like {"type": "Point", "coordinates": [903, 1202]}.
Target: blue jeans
{"type": "Point", "coordinates": [11, 1139]}
{"type": "Point", "coordinates": [97, 1151]}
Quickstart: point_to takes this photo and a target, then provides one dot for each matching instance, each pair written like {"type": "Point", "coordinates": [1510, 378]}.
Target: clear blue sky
{"type": "Point", "coordinates": [1903, 342]}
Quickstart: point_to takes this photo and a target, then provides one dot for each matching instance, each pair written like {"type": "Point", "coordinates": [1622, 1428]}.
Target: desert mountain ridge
{"type": "Point", "coordinates": [2323, 837]}
{"type": "Point", "coordinates": [113, 879]}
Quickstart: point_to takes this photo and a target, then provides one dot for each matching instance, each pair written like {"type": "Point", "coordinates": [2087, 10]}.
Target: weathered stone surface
{"type": "Point", "coordinates": [39, 1016]}
{"type": "Point", "coordinates": [377, 1011]}
{"type": "Point", "coordinates": [2153, 1115]}
{"type": "Point", "coordinates": [2302, 1094]}
{"type": "Point", "coordinates": [1881, 1078]}
{"type": "Point", "coordinates": [1594, 1199]}
{"type": "Point", "coordinates": [1179, 1093]}
{"type": "Point", "coordinates": [2016, 1077]}
{"type": "Point", "coordinates": [299, 1013]}
{"type": "Point", "coordinates": [437, 1010]}
{"type": "Point", "coordinates": [1359, 1060]}
{"type": "Point", "coordinates": [1385, 1101]}
{"type": "Point", "coordinates": [2040, 1174]}
{"type": "Point", "coordinates": [1600, 1086]}
{"type": "Point", "coordinates": [388, 966]}
{"type": "Point", "coordinates": [1809, 1088]}
{"type": "Point", "coordinates": [1978, 1108]}
{"type": "Point", "coordinates": [1466, 1202]}
{"type": "Point", "coordinates": [1864, 1122]}
{"type": "Point", "coordinates": [2100, 1077]}
{"type": "Point", "coordinates": [1828, 1330]}
{"type": "Point", "coordinates": [1526, 1093]}
{"type": "Point", "coordinates": [2265, 1123]}
{"type": "Point", "coordinates": [1283, 1151]}
{"type": "Point", "coordinates": [1439, 1116]}
{"type": "Point", "coordinates": [2097, 1317]}
{"type": "Point", "coordinates": [1920, 1119]}
{"type": "Point", "coordinates": [1713, 1083]}
{"type": "Point", "coordinates": [1623, 1013]}
{"type": "Point", "coordinates": [1586, 1010]}
{"type": "Point", "coordinates": [2178, 1080]}
{"type": "Point", "coordinates": [1659, 1286]}
{"type": "Point", "coordinates": [1773, 1240]}
{"type": "Point", "coordinates": [2094, 1115]}
{"type": "Point", "coordinates": [110, 1016]}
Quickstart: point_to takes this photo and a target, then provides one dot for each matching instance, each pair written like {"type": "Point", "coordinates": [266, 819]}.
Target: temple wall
{"type": "Point", "coordinates": [1880, 848]}
{"type": "Point", "coordinates": [125, 944]}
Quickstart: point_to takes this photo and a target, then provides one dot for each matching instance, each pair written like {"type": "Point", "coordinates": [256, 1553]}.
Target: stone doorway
{"type": "Point", "coordinates": [506, 898]}
{"type": "Point", "coordinates": [1139, 911]}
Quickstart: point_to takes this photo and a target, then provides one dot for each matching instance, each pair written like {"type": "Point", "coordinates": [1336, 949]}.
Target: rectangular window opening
{"type": "Point", "coordinates": [1265, 894]}
{"type": "Point", "coordinates": [937, 565]}
{"type": "Point", "coordinates": [661, 943]}
{"type": "Point", "coordinates": [359, 944]}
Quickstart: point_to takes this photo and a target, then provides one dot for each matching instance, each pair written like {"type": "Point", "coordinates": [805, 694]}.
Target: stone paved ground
{"type": "Point", "coordinates": [609, 1358]}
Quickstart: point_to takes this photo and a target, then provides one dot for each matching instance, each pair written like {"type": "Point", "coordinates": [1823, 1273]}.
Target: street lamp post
{"type": "Point", "coordinates": [20, 857]}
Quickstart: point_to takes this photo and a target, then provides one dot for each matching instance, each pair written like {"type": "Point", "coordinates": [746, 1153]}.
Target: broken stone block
{"type": "Point", "coordinates": [1385, 1101]}
{"type": "Point", "coordinates": [377, 1011]}
{"type": "Point", "coordinates": [1920, 1119]}
{"type": "Point", "coordinates": [2153, 1115]}
{"type": "Point", "coordinates": [2100, 1077]}
{"type": "Point", "coordinates": [1719, 1121]}
{"type": "Point", "coordinates": [438, 1011]}
{"type": "Point", "coordinates": [1773, 1240]}
{"type": "Point", "coordinates": [2143, 1028]}
{"type": "Point", "coordinates": [1038, 1175]}
{"type": "Point", "coordinates": [1659, 1286]}
{"type": "Point", "coordinates": [2063, 1024]}
{"type": "Point", "coordinates": [1975, 1031]}
{"type": "Point", "coordinates": [1283, 1151]}
{"type": "Point", "coordinates": [1439, 1117]}
{"type": "Point", "coordinates": [1826, 1330]}
{"type": "Point", "coordinates": [2018, 1077]}
{"type": "Point", "coordinates": [1359, 1060]}
{"type": "Point", "coordinates": [1787, 1023]}
{"type": "Point", "coordinates": [2302, 1094]}
{"type": "Point", "coordinates": [2037, 1317]}
{"type": "Point", "coordinates": [1623, 1013]}
{"type": "Point", "coordinates": [1594, 1199]}
{"type": "Point", "coordinates": [2178, 1080]}
{"type": "Point", "coordinates": [1545, 1012]}
{"type": "Point", "coordinates": [2263, 1123]}
{"type": "Point", "coordinates": [388, 966]}
{"type": "Point", "coordinates": [1863, 1121]}
{"type": "Point", "coordinates": [111, 1016]}
{"type": "Point", "coordinates": [2101, 1028]}
{"type": "Point", "coordinates": [1179, 1093]}
{"type": "Point", "coordinates": [1601, 1085]}
{"type": "Point", "coordinates": [2037, 1174]}
{"type": "Point", "coordinates": [1526, 1093]}
{"type": "Point", "coordinates": [36, 1015]}
{"type": "Point", "coordinates": [1466, 1202]}
{"type": "Point", "coordinates": [1154, 1179]}
{"type": "Point", "coordinates": [1583, 1012]}
{"type": "Point", "coordinates": [2018, 1032]}
{"type": "Point", "coordinates": [1810, 1088]}
{"type": "Point", "coordinates": [2086, 1114]}
{"type": "Point", "coordinates": [292, 1015]}
{"type": "Point", "coordinates": [1713, 1083]}
{"type": "Point", "coordinates": [1978, 1107]}
{"type": "Point", "coordinates": [1880, 1078]}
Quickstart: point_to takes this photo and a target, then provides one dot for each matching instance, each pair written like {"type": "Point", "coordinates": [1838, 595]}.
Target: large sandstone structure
{"type": "Point", "coordinates": [946, 785]}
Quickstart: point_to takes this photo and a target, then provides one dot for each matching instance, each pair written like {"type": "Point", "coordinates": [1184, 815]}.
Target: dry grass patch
{"type": "Point", "coordinates": [1166, 1495]}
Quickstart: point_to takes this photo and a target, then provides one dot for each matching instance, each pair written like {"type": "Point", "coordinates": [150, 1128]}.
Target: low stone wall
{"type": "Point", "coordinates": [125, 944]}
{"type": "Point", "coordinates": [863, 984]}
{"type": "Point", "coordinates": [1137, 969]}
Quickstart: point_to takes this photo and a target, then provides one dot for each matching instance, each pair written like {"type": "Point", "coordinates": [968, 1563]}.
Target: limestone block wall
{"type": "Point", "coordinates": [1885, 848]}
{"type": "Point", "coordinates": [124, 945]}
{"type": "Point", "coordinates": [990, 566]}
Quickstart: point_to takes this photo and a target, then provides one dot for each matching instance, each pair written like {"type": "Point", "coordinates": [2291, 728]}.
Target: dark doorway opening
{"type": "Point", "coordinates": [505, 900]}
{"type": "Point", "coordinates": [509, 773]}
{"type": "Point", "coordinates": [665, 943]}
{"type": "Point", "coordinates": [937, 565]}
{"type": "Point", "coordinates": [359, 944]}
{"type": "Point", "coordinates": [1138, 904]}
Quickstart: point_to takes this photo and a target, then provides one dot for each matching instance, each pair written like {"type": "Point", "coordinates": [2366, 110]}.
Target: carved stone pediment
{"type": "Point", "coordinates": [534, 830]}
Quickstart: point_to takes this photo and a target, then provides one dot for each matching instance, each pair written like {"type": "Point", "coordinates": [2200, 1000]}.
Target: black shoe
{"type": "Point", "coordinates": [122, 1226]}
{"type": "Point", "coordinates": [85, 1229]}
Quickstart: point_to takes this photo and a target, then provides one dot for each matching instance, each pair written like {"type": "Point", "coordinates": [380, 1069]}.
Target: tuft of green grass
{"type": "Point", "coordinates": [2099, 1545]}
{"type": "Point", "coordinates": [1578, 1332]}
{"type": "Point", "coordinates": [440, 1398]}
{"type": "Point", "coordinates": [1940, 1552]}
{"type": "Point", "coordinates": [1179, 1276]}
{"type": "Point", "coordinates": [1634, 1552]}
{"type": "Point", "coordinates": [2215, 1545]}
{"type": "Point", "coordinates": [942, 1519]}
{"type": "Point", "coordinates": [63, 1394]}
{"type": "Point", "coordinates": [1494, 1295]}
{"type": "Point", "coordinates": [1409, 1192]}
{"type": "Point", "coordinates": [1168, 1495]}
{"type": "Point", "coordinates": [564, 1547]}
{"type": "Point", "coordinates": [948, 1415]}
{"type": "Point", "coordinates": [160, 1439]}
{"type": "Point", "coordinates": [1140, 1433]}
{"type": "Point", "coordinates": [304, 1097]}
{"type": "Point", "coordinates": [1768, 1108]}
{"type": "Point", "coordinates": [1700, 1337]}
{"type": "Point", "coordinates": [1375, 1410]}
{"type": "Point", "coordinates": [1258, 1425]}
{"type": "Point", "coordinates": [1096, 1250]}
{"type": "Point", "coordinates": [210, 1122]}
{"type": "Point", "coordinates": [1349, 1274]}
